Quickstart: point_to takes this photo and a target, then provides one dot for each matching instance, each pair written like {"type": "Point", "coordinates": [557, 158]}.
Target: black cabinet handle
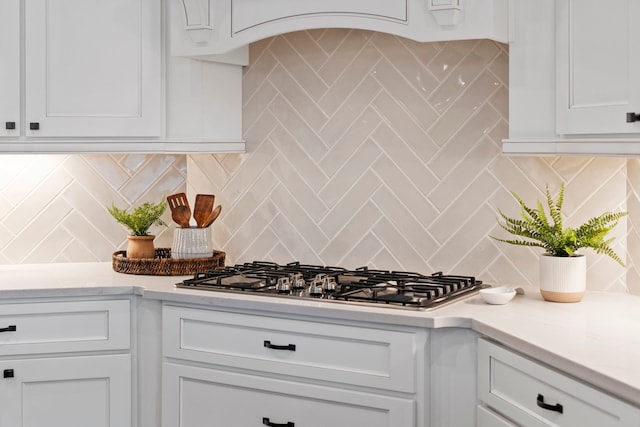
{"type": "Point", "coordinates": [34, 126]}
{"type": "Point", "coordinates": [10, 328]}
{"type": "Point", "coordinates": [9, 125]}
{"type": "Point", "coordinates": [266, 422]}
{"type": "Point", "coordinates": [7, 373]}
{"type": "Point", "coordinates": [290, 347]}
{"type": "Point", "coordinates": [540, 401]}
{"type": "Point", "coordinates": [632, 117]}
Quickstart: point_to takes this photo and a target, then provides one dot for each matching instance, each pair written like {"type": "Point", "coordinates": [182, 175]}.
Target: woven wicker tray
{"type": "Point", "coordinates": [164, 265]}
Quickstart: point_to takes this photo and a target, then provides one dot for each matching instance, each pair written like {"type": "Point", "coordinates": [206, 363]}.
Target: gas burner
{"type": "Point", "coordinates": [400, 289]}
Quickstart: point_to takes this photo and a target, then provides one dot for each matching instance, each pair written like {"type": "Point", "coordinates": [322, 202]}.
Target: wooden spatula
{"type": "Point", "coordinates": [203, 207]}
{"type": "Point", "coordinates": [212, 217]}
{"type": "Point", "coordinates": [180, 210]}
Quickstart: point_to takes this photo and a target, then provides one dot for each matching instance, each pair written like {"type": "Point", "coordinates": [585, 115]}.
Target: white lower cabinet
{"type": "Point", "coordinates": [241, 369]}
{"type": "Point", "coordinates": [532, 394]}
{"type": "Point", "coordinates": [196, 396]}
{"type": "Point", "coordinates": [66, 392]}
{"type": "Point", "coordinates": [65, 364]}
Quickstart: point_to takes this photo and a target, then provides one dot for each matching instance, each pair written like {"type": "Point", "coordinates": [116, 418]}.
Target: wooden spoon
{"type": "Point", "coordinates": [214, 215]}
{"type": "Point", "coordinates": [180, 211]}
{"type": "Point", "coordinates": [202, 208]}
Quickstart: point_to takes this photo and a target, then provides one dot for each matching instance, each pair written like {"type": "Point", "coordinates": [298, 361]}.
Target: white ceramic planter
{"type": "Point", "coordinates": [563, 279]}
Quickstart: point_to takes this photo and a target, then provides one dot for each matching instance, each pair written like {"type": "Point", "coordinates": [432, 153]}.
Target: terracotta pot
{"type": "Point", "coordinates": [563, 279]}
{"type": "Point", "coordinates": [141, 247]}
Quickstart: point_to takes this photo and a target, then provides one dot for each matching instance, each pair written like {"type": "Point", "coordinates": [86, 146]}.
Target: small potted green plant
{"type": "Point", "coordinates": [138, 221]}
{"type": "Point", "coordinates": [562, 269]}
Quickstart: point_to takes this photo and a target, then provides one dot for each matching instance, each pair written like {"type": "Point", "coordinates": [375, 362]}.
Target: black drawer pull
{"type": "Point", "coordinates": [266, 422]}
{"type": "Point", "coordinates": [290, 347]}
{"type": "Point", "coordinates": [7, 373]}
{"type": "Point", "coordinates": [632, 117]}
{"type": "Point", "coordinates": [10, 328]}
{"type": "Point", "coordinates": [9, 125]}
{"type": "Point", "coordinates": [556, 408]}
{"type": "Point", "coordinates": [34, 126]}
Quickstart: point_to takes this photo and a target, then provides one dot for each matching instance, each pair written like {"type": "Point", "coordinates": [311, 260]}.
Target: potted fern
{"type": "Point", "coordinates": [139, 221]}
{"type": "Point", "coordinates": [562, 269]}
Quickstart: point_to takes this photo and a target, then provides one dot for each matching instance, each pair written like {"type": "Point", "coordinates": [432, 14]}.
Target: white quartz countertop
{"type": "Point", "coordinates": [596, 340]}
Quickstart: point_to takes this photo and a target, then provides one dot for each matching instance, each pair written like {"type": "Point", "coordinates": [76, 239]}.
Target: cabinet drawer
{"type": "Point", "coordinates": [347, 354]}
{"type": "Point", "coordinates": [195, 396]}
{"type": "Point", "coordinates": [534, 395]}
{"type": "Point", "coordinates": [488, 418]}
{"type": "Point", "coordinates": [58, 327]}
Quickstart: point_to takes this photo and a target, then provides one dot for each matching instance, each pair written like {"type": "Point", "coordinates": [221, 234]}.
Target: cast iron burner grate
{"type": "Point", "coordinates": [398, 289]}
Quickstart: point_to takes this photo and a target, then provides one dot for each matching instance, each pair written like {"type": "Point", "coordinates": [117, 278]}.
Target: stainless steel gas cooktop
{"type": "Point", "coordinates": [394, 289]}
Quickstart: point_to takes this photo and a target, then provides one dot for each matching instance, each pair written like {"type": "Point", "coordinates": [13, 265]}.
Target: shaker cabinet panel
{"type": "Point", "coordinates": [531, 394]}
{"type": "Point", "coordinates": [346, 354]}
{"type": "Point", "coordinates": [194, 396]}
{"type": "Point", "coordinates": [9, 68]}
{"type": "Point", "coordinates": [61, 327]}
{"type": "Point", "coordinates": [597, 66]}
{"type": "Point", "coordinates": [66, 392]}
{"type": "Point", "coordinates": [92, 68]}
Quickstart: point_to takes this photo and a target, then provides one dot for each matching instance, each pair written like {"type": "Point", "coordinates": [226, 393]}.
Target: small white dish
{"type": "Point", "coordinates": [498, 295]}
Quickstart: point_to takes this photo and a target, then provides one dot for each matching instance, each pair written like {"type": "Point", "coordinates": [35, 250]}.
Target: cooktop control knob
{"type": "Point", "coordinates": [284, 285]}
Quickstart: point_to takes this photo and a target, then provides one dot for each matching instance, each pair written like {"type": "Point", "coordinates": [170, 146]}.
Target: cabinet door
{"type": "Point", "coordinates": [195, 397]}
{"type": "Point", "coordinates": [92, 68]}
{"type": "Point", "coordinates": [597, 66]}
{"type": "Point", "coordinates": [66, 392]}
{"type": "Point", "coordinates": [9, 67]}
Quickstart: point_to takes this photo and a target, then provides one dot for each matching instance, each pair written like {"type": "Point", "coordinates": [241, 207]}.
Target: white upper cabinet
{"type": "Point", "coordinates": [598, 66]}
{"type": "Point", "coordinates": [573, 79]}
{"type": "Point", "coordinates": [10, 68]}
{"type": "Point", "coordinates": [93, 76]}
{"type": "Point", "coordinates": [212, 27]}
{"type": "Point", "coordinates": [93, 68]}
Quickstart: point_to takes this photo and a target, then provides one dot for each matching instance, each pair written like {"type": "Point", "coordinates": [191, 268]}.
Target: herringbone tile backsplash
{"type": "Point", "coordinates": [362, 149]}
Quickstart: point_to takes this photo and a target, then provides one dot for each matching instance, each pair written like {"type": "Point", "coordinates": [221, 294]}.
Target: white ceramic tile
{"type": "Point", "coordinates": [237, 215]}
{"type": "Point", "coordinates": [448, 56]}
{"type": "Point", "coordinates": [352, 169]}
{"type": "Point", "coordinates": [410, 231]}
{"type": "Point", "coordinates": [349, 233]}
{"type": "Point", "coordinates": [350, 109]}
{"type": "Point", "coordinates": [412, 100]}
{"type": "Point", "coordinates": [406, 63]}
{"type": "Point", "coordinates": [404, 190]}
{"type": "Point", "coordinates": [299, 69]}
{"type": "Point", "coordinates": [404, 158]}
{"type": "Point", "coordinates": [405, 126]}
{"type": "Point", "coordinates": [291, 120]}
{"type": "Point", "coordinates": [256, 73]}
{"type": "Point", "coordinates": [294, 94]}
{"type": "Point", "coordinates": [36, 203]}
{"type": "Point", "coordinates": [412, 258]}
{"type": "Point", "coordinates": [351, 203]}
{"type": "Point", "coordinates": [343, 47]}
{"type": "Point", "coordinates": [292, 212]}
{"type": "Point", "coordinates": [476, 94]}
{"type": "Point", "coordinates": [255, 105]}
{"type": "Point", "coordinates": [460, 209]}
{"type": "Point", "coordinates": [466, 136]}
{"type": "Point", "coordinates": [287, 174]}
{"type": "Point", "coordinates": [345, 146]}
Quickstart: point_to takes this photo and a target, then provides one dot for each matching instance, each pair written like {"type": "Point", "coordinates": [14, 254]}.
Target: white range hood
{"type": "Point", "coordinates": [206, 28]}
